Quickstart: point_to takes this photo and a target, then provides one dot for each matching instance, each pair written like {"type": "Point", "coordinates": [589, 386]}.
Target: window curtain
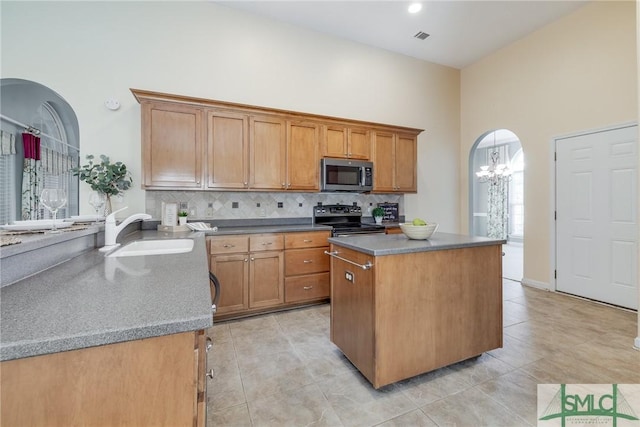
{"type": "Point", "coordinates": [497, 217]}
{"type": "Point", "coordinates": [498, 200]}
{"type": "Point", "coordinates": [32, 177]}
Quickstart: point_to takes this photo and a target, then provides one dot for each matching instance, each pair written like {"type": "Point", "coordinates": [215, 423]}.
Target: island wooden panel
{"type": "Point", "coordinates": [428, 309]}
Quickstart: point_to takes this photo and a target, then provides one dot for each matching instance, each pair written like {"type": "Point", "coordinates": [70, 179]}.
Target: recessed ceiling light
{"type": "Point", "coordinates": [415, 7]}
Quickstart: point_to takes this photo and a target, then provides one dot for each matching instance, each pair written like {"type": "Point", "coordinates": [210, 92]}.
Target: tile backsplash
{"type": "Point", "coordinates": [247, 205]}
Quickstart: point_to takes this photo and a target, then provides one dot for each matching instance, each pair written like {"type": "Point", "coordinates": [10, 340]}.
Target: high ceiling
{"type": "Point", "coordinates": [460, 32]}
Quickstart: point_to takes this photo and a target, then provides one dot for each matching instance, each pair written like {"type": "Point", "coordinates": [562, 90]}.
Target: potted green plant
{"type": "Point", "coordinates": [110, 179]}
{"type": "Point", "coordinates": [182, 217]}
{"type": "Point", "coordinates": [377, 214]}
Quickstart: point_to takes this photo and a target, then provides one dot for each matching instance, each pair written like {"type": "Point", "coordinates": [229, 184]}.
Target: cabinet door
{"type": "Point", "coordinates": [383, 162]}
{"type": "Point", "coordinates": [266, 282]}
{"type": "Point", "coordinates": [359, 146]}
{"type": "Point", "coordinates": [228, 150]}
{"type": "Point", "coordinates": [406, 163]}
{"type": "Point", "coordinates": [303, 156]}
{"type": "Point", "coordinates": [232, 272]}
{"type": "Point", "coordinates": [172, 148]}
{"type": "Point", "coordinates": [334, 141]}
{"type": "Point", "coordinates": [352, 327]}
{"type": "Point", "coordinates": [267, 153]}
{"type": "Point", "coordinates": [144, 382]}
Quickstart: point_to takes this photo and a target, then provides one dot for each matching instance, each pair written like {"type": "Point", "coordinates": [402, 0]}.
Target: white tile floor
{"type": "Point", "coordinates": [282, 370]}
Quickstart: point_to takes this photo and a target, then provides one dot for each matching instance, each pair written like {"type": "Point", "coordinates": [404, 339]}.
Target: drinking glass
{"type": "Point", "coordinates": [53, 199]}
{"type": "Point", "coordinates": [98, 200]}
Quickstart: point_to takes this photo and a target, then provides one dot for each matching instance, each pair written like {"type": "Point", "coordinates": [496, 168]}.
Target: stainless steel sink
{"type": "Point", "coordinates": [154, 247]}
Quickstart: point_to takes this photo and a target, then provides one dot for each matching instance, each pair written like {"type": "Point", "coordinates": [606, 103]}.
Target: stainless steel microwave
{"type": "Point", "coordinates": [346, 175]}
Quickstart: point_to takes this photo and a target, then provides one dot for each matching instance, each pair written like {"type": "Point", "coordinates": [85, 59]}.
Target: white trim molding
{"type": "Point", "coordinates": [537, 284]}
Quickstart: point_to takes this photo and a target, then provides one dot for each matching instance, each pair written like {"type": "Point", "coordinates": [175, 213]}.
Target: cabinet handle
{"type": "Point", "coordinates": [267, 243]}
{"type": "Point", "coordinates": [209, 344]}
{"type": "Point", "coordinates": [198, 182]}
{"type": "Point", "coordinates": [307, 261]}
{"type": "Point", "coordinates": [253, 259]}
{"type": "Point", "coordinates": [284, 185]}
{"type": "Point", "coordinates": [246, 260]}
{"type": "Point", "coordinates": [210, 373]}
{"type": "Point", "coordinates": [289, 185]}
{"type": "Point", "coordinates": [366, 266]}
{"type": "Point", "coordinates": [306, 288]}
{"type": "Point", "coordinates": [307, 240]}
{"type": "Point", "coordinates": [227, 245]}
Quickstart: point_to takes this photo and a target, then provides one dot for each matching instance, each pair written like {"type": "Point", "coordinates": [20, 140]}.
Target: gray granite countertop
{"type": "Point", "coordinates": [394, 244]}
{"type": "Point", "coordinates": [94, 300]}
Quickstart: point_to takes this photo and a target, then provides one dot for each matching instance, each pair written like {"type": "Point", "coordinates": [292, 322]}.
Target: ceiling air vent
{"type": "Point", "coordinates": [421, 35]}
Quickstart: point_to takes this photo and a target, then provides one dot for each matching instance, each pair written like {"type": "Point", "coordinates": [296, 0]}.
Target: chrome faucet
{"type": "Point", "coordinates": [111, 230]}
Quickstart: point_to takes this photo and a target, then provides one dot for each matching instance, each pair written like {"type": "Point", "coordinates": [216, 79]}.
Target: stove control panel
{"type": "Point", "coordinates": [337, 210]}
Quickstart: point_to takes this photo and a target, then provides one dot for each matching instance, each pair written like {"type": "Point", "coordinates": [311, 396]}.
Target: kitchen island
{"type": "Point", "coordinates": [401, 307]}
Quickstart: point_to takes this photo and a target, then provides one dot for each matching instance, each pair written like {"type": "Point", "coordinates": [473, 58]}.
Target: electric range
{"type": "Point", "coordinates": [344, 220]}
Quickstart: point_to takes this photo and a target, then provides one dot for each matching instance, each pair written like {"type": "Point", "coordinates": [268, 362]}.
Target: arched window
{"type": "Point", "coordinates": [32, 108]}
{"type": "Point", "coordinates": [58, 157]}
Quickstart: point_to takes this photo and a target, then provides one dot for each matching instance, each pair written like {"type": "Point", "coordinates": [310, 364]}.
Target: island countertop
{"type": "Point", "coordinates": [94, 300]}
{"type": "Point", "coordinates": [394, 244]}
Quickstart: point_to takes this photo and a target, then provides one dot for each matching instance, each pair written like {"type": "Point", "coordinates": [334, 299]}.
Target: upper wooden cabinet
{"type": "Point", "coordinates": [303, 156]}
{"type": "Point", "coordinates": [345, 142]}
{"type": "Point", "coordinates": [172, 148]}
{"type": "Point", "coordinates": [395, 160]}
{"type": "Point", "coordinates": [267, 153]}
{"type": "Point", "coordinates": [201, 144]}
{"type": "Point", "coordinates": [227, 150]}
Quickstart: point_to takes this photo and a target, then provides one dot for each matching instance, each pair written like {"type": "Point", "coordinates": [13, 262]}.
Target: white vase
{"type": "Point", "coordinates": [378, 219]}
{"type": "Point", "coordinates": [182, 220]}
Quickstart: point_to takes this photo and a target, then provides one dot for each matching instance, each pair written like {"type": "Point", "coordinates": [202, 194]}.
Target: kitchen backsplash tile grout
{"type": "Point", "coordinates": [261, 204]}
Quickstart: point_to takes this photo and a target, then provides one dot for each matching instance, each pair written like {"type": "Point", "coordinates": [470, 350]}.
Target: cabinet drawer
{"type": "Point", "coordinates": [312, 286]}
{"type": "Point", "coordinates": [312, 239]}
{"type": "Point", "coordinates": [305, 261]}
{"type": "Point", "coordinates": [266, 242]}
{"type": "Point", "coordinates": [228, 244]}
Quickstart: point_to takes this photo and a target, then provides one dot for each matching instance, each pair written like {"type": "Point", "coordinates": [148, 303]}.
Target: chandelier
{"type": "Point", "coordinates": [496, 171]}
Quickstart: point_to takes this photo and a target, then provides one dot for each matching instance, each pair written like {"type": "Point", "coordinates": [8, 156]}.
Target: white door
{"type": "Point", "coordinates": [596, 204]}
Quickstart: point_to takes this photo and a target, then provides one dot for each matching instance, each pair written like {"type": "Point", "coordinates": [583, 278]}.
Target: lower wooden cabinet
{"type": "Point", "coordinates": [159, 381]}
{"type": "Point", "coordinates": [250, 269]}
{"type": "Point", "coordinates": [306, 266]}
{"type": "Point", "coordinates": [307, 287]}
{"type": "Point", "coordinates": [263, 272]}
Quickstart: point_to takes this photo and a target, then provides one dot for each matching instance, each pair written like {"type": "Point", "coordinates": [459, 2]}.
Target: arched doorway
{"type": "Point", "coordinates": [496, 195]}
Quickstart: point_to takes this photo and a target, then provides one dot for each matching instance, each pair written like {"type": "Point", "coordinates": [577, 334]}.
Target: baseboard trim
{"type": "Point", "coordinates": [536, 284]}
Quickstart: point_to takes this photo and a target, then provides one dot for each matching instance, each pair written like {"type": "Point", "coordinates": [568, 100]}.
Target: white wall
{"type": "Point", "coordinates": [575, 74]}
{"type": "Point", "coordinates": [89, 51]}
